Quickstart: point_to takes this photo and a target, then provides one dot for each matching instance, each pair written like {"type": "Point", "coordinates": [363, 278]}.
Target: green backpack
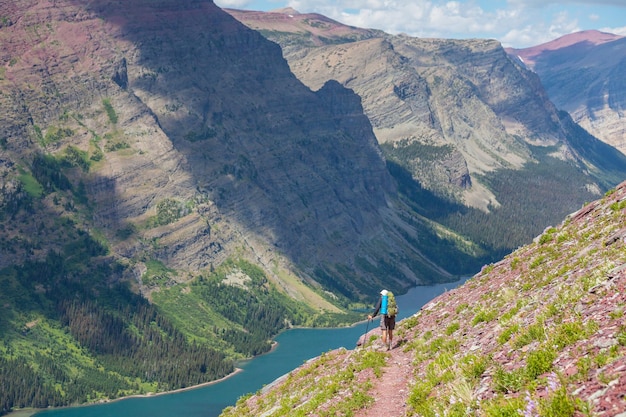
{"type": "Point", "coordinates": [392, 307]}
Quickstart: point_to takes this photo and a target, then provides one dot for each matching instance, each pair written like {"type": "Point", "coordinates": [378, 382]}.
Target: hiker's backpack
{"type": "Point", "coordinates": [392, 307]}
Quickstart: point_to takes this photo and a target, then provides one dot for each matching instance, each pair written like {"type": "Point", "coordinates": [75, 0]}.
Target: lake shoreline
{"type": "Point", "coordinates": [27, 412]}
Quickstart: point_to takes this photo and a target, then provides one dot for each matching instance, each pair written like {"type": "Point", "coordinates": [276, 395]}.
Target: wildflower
{"type": "Point", "coordinates": [553, 382]}
{"type": "Point", "coordinates": [531, 407]}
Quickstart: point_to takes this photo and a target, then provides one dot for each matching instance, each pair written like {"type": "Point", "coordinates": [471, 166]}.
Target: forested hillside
{"type": "Point", "coordinates": [102, 341]}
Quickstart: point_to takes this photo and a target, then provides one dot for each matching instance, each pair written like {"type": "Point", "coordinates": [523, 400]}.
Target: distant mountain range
{"type": "Point", "coordinates": [583, 73]}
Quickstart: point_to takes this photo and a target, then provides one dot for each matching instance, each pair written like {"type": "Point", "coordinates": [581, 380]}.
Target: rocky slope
{"type": "Point", "coordinates": [582, 74]}
{"type": "Point", "coordinates": [454, 113]}
{"type": "Point", "coordinates": [539, 333]}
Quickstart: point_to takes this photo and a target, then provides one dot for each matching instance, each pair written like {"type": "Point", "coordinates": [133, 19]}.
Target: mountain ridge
{"type": "Point", "coordinates": [585, 37]}
{"type": "Point", "coordinates": [468, 106]}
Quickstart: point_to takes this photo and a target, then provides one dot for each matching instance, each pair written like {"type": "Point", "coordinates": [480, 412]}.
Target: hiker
{"type": "Point", "coordinates": [387, 308]}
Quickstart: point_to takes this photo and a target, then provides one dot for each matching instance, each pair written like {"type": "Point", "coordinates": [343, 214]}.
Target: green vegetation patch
{"type": "Point", "coordinates": [48, 172]}
{"type": "Point", "coordinates": [307, 388]}
{"type": "Point", "coordinates": [110, 111]}
{"type": "Point", "coordinates": [55, 134]}
{"type": "Point", "coordinates": [72, 332]}
{"type": "Point", "coordinates": [157, 274]}
{"type": "Point", "coordinates": [169, 211]}
{"type": "Point", "coordinates": [115, 141]}
{"type": "Point", "coordinates": [31, 185]}
{"type": "Point", "coordinates": [75, 157]}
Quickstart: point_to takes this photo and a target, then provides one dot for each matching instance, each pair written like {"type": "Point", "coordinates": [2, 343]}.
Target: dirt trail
{"type": "Point", "coordinates": [390, 391]}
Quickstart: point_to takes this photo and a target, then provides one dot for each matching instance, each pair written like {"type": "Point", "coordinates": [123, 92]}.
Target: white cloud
{"type": "Point", "coordinates": [618, 31]}
{"type": "Point", "coordinates": [233, 4]}
{"type": "Point", "coordinates": [517, 23]}
{"type": "Point", "coordinates": [423, 18]}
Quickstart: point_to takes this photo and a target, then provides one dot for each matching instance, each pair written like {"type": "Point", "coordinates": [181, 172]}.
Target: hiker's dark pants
{"type": "Point", "coordinates": [387, 323]}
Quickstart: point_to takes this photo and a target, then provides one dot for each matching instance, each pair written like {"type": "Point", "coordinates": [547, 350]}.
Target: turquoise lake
{"type": "Point", "coordinates": [294, 347]}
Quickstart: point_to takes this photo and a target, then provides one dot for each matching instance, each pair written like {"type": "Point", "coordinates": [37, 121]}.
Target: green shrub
{"type": "Point", "coordinates": [452, 328]}
{"type": "Point", "coordinates": [621, 336]}
{"type": "Point", "coordinates": [509, 381]}
{"type": "Point", "coordinates": [484, 316]}
{"type": "Point", "coordinates": [545, 238]}
{"type": "Point", "coordinates": [442, 345]}
{"type": "Point", "coordinates": [169, 211]}
{"type": "Point", "coordinates": [55, 134]}
{"type": "Point", "coordinates": [500, 407]}
{"type": "Point", "coordinates": [537, 261]}
{"type": "Point", "coordinates": [568, 333]}
{"type": "Point", "coordinates": [617, 313]}
{"type": "Point", "coordinates": [419, 398]}
{"type": "Point", "coordinates": [97, 155]}
{"type": "Point", "coordinates": [461, 307]}
{"type": "Point", "coordinates": [618, 205]}
{"type": "Point", "coordinates": [507, 333]}
{"type": "Point", "coordinates": [473, 367]}
{"type": "Point", "coordinates": [374, 360]}
{"type": "Point", "coordinates": [31, 185]}
{"type": "Point", "coordinates": [558, 404]}
{"type": "Point", "coordinates": [533, 332]}
{"type": "Point", "coordinates": [539, 362]}
{"type": "Point", "coordinates": [76, 158]}
{"type": "Point", "coordinates": [583, 365]}
{"type": "Point", "coordinates": [512, 312]}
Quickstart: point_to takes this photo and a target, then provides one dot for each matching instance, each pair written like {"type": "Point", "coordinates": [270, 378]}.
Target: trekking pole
{"type": "Point", "coordinates": [367, 327]}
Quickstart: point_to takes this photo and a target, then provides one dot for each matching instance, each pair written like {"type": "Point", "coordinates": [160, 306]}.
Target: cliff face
{"type": "Point", "coordinates": [191, 142]}
{"type": "Point", "coordinates": [539, 333]}
{"type": "Point", "coordinates": [581, 73]}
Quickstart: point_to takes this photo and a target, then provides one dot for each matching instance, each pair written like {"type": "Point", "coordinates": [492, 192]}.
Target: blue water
{"type": "Point", "coordinates": [294, 348]}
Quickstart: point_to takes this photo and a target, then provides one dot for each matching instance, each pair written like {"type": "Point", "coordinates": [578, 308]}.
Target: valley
{"type": "Point", "coordinates": [181, 183]}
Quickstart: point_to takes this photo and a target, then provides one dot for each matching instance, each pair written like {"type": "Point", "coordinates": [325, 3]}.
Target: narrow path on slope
{"type": "Point", "coordinates": [391, 390]}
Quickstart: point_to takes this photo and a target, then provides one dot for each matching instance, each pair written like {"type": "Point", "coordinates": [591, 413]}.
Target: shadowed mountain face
{"type": "Point", "coordinates": [191, 141]}
{"type": "Point", "coordinates": [583, 74]}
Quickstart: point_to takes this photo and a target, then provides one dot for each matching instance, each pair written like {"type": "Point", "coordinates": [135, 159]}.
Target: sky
{"type": "Point", "coordinates": [515, 23]}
